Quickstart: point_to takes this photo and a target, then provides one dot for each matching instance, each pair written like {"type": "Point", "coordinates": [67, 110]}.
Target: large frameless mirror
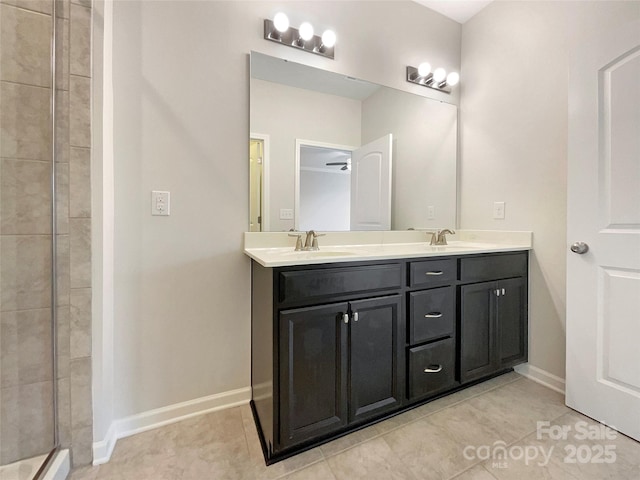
{"type": "Point", "coordinates": [331, 152]}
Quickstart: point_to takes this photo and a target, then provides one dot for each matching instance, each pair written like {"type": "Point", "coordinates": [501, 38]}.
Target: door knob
{"type": "Point", "coordinates": [579, 248]}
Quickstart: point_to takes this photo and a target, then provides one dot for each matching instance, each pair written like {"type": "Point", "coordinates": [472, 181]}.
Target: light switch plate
{"type": "Point", "coordinates": [160, 203]}
{"type": "Point", "coordinates": [286, 214]}
{"type": "Point", "coordinates": [498, 210]}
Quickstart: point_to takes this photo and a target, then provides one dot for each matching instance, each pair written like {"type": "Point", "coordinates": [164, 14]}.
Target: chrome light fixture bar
{"type": "Point", "coordinates": [438, 79]}
{"type": "Point", "coordinates": [278, 30]}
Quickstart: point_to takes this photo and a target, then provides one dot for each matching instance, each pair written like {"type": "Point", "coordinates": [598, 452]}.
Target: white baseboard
{"type": "Point", "coordinates": [542, 377]}
{"type": "Point", "coordinates": [103, 449]}
{"type": "Point", "coordinates": [159, 417]}
{"type": "Point", "coordinates": [60, 467]}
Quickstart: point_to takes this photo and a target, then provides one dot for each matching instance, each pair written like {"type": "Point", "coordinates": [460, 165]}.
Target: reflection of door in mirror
{"type": "Point", "coordinates": [342, 188]}
{"type": "Point", "coordinates": [371, 185]}
{"type": "Point", "coordinates": [258, 184]}
{"type": "Point", "coordinates": [323, 186]}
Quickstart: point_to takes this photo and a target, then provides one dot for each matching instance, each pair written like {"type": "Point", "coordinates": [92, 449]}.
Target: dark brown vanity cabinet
{"type": "Point", "coordinates": [335, 350]}
{"type": "Point", "coordinates": [493, 314]}
{"type": "Point", "coordinates": [338, 345]}
{"type": "Point", "coordinates": [340, 365]}
{"type": "Point", "coordinates": [432, 325]}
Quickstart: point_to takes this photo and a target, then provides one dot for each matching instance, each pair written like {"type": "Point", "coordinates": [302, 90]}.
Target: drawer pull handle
{"type": "Point", "coordinates": [433, 369]}
{"type": "Point", "coordinates": [433, 315]}
{"type": "Point", "coordinates": [434, 273]}
{"type": "Point", "coordinates": [345, 318]}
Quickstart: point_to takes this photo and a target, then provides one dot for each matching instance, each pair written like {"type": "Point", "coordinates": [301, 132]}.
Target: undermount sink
{"type": "Point", "coordinates": [457, 246]}
{"type": "Point", "coordinates": [444, 248]}
{"type": "Point", "coordinates": [318, 253]}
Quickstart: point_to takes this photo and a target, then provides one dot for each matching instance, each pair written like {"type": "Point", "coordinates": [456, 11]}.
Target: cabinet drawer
{"type": "Point", "coordinates": [432, 314]}
{"type": "Point", "coordinates": [313, 284]}
{"type": "Point", "coordinates": [438, 359]}
{"type": "Point", "coordinates": [493, 267]}
{"type": "Point", "coordinates": [432, 272]}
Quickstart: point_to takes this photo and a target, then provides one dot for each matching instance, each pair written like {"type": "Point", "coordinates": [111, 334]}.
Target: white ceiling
{"type": "Point", "coordinates": [458, 10]}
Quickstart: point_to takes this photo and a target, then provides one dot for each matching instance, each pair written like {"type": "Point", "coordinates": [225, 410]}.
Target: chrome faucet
{"type": "Point", "coordinates": [439, 237]}
{"type": "Point", "coordinates": [298, 241]}
{"type": "Point", "coordinates": [311, 242]}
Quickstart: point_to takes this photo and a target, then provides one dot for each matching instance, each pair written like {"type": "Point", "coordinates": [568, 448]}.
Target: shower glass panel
{"type": "Point", "coordinates": [28, 426]}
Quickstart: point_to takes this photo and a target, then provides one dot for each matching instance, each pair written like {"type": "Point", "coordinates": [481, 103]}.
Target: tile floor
{"type": "Point", "coordinates": [458, 436]}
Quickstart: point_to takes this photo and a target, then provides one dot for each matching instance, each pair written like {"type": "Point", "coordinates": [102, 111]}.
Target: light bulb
{"type": "Point", "coordinates": [453, 78]}
{"type": "Point", "coordinates": [439, 75]}
{"type": "Point", "coordinates": [306, 31]}
{"type": "Point", "coordinates": [328, 38]}
{"type": "Point", "coordinates": [281, 22]}
{"type": "Point", "coordinates": [424, 69]}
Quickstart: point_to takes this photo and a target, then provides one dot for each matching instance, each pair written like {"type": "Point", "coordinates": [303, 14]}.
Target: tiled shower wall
{"type": "Point", "coordinates": [26, 422]}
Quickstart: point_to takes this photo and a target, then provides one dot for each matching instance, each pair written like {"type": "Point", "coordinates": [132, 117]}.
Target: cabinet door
{"type": "Point", "coordinates": [511, 322]}
{"type": "Point", "coordinates": [477, 324]}
{"type": "Point", "coordinates": [313, 382]}
{"type": "Point", "coordinates": [376, 379]}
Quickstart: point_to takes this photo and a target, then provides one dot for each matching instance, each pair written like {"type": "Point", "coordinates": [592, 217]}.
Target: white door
{"type": "Point", "coordinates": [603, 284]}
{"type": "Point", "coordinates": [371, 185]}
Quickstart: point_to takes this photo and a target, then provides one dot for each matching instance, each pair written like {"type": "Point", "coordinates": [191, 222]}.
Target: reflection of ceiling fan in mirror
{"type": "Point", "coordinates": [345, 165]}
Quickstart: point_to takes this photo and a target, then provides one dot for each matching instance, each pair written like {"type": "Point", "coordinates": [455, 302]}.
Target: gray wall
{"type": "Point", "coordinates": [288, 113]}
{"type": "Point", "coordinates": [181, 89]}
{"type": "Point", "coordinates": [425, 141]}
{"type": "Point", "coordinates": [514, 119]}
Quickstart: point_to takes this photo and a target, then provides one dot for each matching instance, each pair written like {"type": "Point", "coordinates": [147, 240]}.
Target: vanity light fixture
{"type": "Point", "coordinates": [438, 79]}
{"type": "Point", "coordinates": [303, 38]}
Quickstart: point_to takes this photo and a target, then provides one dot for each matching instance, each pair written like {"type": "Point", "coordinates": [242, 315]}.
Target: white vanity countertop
{"type": "Point", "coordinates": [277, 249]}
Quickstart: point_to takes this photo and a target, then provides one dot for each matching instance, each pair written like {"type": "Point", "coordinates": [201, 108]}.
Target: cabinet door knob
{"type": "Point", "coordinates": [434, 273]}
{"type": "Point", "coordinates": [504, 292]}
{"type": "Point", "coordinates": [355, 316]}
{"type": "Point", "coordinates": [433, 315]}
{"type": "Point", "coordinates": [433, 369]}
{"type": "Point", "coordinates": [345, 317]}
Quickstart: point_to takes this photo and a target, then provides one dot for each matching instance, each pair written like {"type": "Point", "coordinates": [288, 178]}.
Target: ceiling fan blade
{"type": "Point", "coordinates": [335, 163]}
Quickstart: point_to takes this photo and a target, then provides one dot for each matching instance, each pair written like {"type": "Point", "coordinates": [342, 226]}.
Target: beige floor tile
{"type": "Point", "coordinates": [570, 456]}
{"type": "Point", "coordinates": [440, 404]}
{"type": "Point", "coordinates": [428, 450]}
{"type": "Point", "coordinates": [399, 420]}
{"type": "Point", "coordinates": [470, 426]}
{"type": "Point", "coordinates": [224, 425]}
{"type": "Point", "coordinates": [317, 471]}
{"type": "Point", "coordinates": [148, 466]}
{"type": "Point", "coordinates": [84, 473]}
{"type": "Point", "coordinates": [520, 404]}
{"type": "Point", "coordinates": [251, 436]}
{"type": "Point", "coordinates": [229, 461]}
{"type": "Point", "coordinates": [287, 466]}
{"type": "Point", "coordinates": [279, 469]}
{"type": "Point", "coordinates": [371, 460]}
{"type": "Point", "coordinates": [476, 473]}
{"type": "Point", "coordinates": [154, 443]}
{"type": "Point", "coordinates": [343, 443]}
{"type": "Point", "coordinates": [426, 443]}
{"type": "Point", "coordinates": [498, 381]}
